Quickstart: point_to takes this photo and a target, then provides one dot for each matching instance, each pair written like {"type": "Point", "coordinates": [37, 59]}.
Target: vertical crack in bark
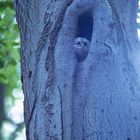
{"type": "Point", "coordinates": [54, 36]}
{"type": "Point", "coordinates": [30, 117]}
{"type": "Point", "coordinates": [61, 105]}
{"type": "Point", "coordinates": [49, 60]}
{"type": "Point", "coordinates": [36, 137]}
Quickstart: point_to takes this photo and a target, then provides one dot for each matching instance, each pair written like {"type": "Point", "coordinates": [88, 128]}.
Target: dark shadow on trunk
{"type": "Point", "coordinates": [85, 25]}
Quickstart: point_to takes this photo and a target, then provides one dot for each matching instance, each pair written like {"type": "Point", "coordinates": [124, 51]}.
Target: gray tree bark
{"type": "Point", "coordinates": [97, 98]}
{"type": "Point", "coordinates": [2, 114]}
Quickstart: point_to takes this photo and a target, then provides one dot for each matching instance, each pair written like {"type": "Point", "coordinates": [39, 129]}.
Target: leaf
{"type": "Point", "coordinates": [12, 61]}
{"type": "Point", "coordinates": [3, 79]}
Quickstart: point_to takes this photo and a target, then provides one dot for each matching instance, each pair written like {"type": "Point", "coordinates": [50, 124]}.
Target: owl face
{"type": "Point", "coordinates": [81, 43]}
{"type": "Point", "coordinates": [81, 48]}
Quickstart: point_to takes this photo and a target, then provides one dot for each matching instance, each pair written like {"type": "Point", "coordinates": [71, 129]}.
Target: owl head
{"type": "Point", "coordinates": [81, 48]}
{"type": "Point", "coordinates": [81, 42]}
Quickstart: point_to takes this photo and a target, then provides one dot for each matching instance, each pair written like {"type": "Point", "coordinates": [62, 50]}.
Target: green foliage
{"type": "Point", "coordinates": [9, 46]}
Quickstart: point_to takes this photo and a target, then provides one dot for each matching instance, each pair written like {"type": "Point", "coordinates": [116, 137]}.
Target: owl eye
{"type": "Point", "coordinates": [78, 43]}
{"type": "Point", "coordinates": [85, 43]}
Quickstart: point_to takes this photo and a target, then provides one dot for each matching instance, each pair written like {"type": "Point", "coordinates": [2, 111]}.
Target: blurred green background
{"type": "Point", "coordinates": [11, 96]}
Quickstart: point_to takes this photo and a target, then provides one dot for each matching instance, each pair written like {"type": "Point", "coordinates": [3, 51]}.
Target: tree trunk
{"type": "Point", "coordinates": [2, 114]}
{"type": "Point", "coordinates": [96, 98]}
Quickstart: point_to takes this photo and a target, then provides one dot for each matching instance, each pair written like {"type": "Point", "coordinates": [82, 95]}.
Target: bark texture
{"type": "Point", "coordinates": [2, 114]}
{"type": "Point", "coordinates": [96, 99]}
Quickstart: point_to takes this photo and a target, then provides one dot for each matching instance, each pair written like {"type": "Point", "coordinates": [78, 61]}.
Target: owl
{"type": "Point", "coordinates": [81, 48]}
